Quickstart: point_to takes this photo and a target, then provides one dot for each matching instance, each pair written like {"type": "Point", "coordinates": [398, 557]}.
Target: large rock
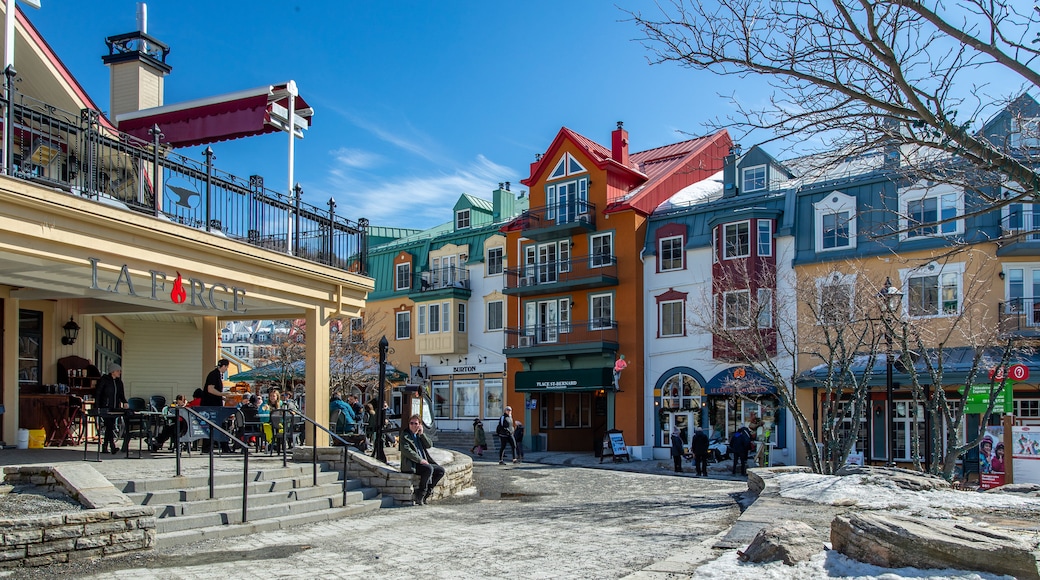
{"type": "Point", "coordinates": [791, 542]}
{"type": "Point", "coordinates": [898, 541]}
{"type": "Point", "coordinates": [1032, 489]}
{"type": "Point", "coordinates": [904, 478]}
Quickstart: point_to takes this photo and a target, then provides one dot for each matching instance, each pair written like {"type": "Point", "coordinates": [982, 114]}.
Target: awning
{"type": "Point", "coordinates": [574, 380]}
{"type": "Point", "coordinates": [232, 116]}
{"type": "Point", "coordinates": [739, 380]}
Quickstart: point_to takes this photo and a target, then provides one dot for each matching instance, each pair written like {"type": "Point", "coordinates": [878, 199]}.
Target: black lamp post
{"type": "Point", "coordinates": [378, 452]}
{"type": "Point", "coordinates": [890, 297]}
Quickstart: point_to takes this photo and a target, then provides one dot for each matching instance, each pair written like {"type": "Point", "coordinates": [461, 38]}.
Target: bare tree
{"type": "Point", "coordinates": [354, 358]}
{"type": "Point", "coordinates": [285, 350]}
{"type": "Point", "coordinates": [859, 76]}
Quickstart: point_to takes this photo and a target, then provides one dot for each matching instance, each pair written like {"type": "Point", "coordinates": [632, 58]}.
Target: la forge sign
{"type": "Point", "coordinates": [190, 291]}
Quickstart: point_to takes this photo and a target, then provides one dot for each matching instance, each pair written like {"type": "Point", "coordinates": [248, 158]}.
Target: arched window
{"type": "Point", "coordinates": [681, 392]}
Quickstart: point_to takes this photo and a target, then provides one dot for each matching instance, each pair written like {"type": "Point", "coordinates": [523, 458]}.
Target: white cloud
{"type": "Point", "coordinates": [356, 158]}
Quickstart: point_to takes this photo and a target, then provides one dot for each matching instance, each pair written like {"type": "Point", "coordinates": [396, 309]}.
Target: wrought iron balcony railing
{"type": "Point", "coordinates": [438, 278]}
{"type": "Point", "coordinates": [596, 266]}
{"type": "Point", "coordinates": [1020, 316]}
{"type": "Point", "coordinates": [1022, 220]}
{"type": "Point", "coordinates": [76, 153]}
{"type": "Point", "coordinates": [563, 333]}
{"type": "Point", "coordinates": [574, 211]}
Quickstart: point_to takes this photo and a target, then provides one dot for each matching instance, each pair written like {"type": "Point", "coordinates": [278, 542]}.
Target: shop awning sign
{"type": "Point", "coordinates": [157, 286]}
{"type": "Point", "coordinates": [565, 380]}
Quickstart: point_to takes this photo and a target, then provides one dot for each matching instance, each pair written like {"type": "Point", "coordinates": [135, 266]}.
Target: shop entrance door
{"type": "Point", "coordinates": [684, 420]}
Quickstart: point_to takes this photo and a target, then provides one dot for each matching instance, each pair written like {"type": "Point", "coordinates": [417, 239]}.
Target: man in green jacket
{"type": "Point", "coordinates": [416, 458]}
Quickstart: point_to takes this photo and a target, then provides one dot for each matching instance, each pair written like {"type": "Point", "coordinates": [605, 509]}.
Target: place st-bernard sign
{"type": "Point", "coordinates": [158, 286]}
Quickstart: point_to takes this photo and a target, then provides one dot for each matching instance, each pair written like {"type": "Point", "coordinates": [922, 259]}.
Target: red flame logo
{"type": "Point", "coordinates": [178, 294]}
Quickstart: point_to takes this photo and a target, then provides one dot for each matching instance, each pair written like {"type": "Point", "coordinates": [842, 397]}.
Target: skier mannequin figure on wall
{"type": "Point", "coordinates": [619, 365]}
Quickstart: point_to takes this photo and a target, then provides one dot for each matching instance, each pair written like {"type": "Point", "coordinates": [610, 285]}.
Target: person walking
{"type": "Point", "coordinates": [739, 446]}
{"type": "Point", "coordinates": [518, 441]}
{"type": "Point", "coordinates": [479, 438]}
{"type": "Point", "coordinates": [415, 458]}
{"type": "Point", "coordinates": [504, 431]}
{"type": "Point", "coordinates": [699, 447]}
{"type": "Point", "coordinates": [110, 396]}
{"type": "Point", "coordinates": [677, 449]}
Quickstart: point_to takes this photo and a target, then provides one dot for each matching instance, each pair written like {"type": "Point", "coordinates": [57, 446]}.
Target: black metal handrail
{"type": "Point", "coordinates": [212, 426]}
{"type": "Point", "coordinates": [1020, 315]}
{"type": "Point", "coordinates": [314, 451]}
{"type": "Point", "coordinates": [572, 211]}
{"type": "Point", "coordinates": [77, 153]}
{"type": "Point", "coordinates": [444, 277]}
{"type": "Point", "coordinates": [556, 271]}
{"type": "Point", "coordinates": [576, 332]}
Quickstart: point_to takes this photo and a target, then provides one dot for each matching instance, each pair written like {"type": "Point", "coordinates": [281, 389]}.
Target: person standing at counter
{"type": "Point", "coordinates": [110, 396]}
{"type": "Point", "coordinates": [213, 390]}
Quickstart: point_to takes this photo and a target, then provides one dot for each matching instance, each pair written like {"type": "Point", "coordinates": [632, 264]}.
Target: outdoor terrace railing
{"type": "Point", "coordinates": [579, 268]}
{"type": "Point", "coordinates": [1022, 220]}
{"type": "Point", "coordinates": [1020, 315]}
{"type": "Point", "coordinates": [76, 153]}
{"type": "Point", "coordinates": [437, 278]}
{"type": "Point", "coordinates": [562, 213]}
{"type": "Point", "coordinates": [563, 333]}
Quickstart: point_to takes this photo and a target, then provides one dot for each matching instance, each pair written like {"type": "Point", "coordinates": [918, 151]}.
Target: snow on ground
{"type": "Point", "coordinates": [828, 564]}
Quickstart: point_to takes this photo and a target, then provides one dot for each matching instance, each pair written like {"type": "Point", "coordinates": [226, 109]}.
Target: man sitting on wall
{"type": "Point", "coordinates": [416, 458]}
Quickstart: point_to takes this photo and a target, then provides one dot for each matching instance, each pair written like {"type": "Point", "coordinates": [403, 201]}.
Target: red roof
{"type": "Point", "coordinates": [221, 118]}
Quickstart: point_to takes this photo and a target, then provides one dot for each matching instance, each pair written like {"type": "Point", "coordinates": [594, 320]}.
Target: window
{"type": "Point", "coordinates": [835, 222]}
{"type": "Point", "coordinates": [602, 311]}
{"type": "Point", "coordinates": [30, 350]}
{"type": "Point", "coordinates": [924, 208]}
{"type": "Point", "coordinates": [754, 178]}
{"type": "Point", "coordinates": [435, 318]}
{"type": "Point", "coordinates": [765, 308]}
{"type": "Point", "coordinates": [566, 410]}
{"type": "Point", "coordinates": [671, 323]}
{"type": "Point", "coordinates": [736, 308]}
{"type": "Point", "coordinates": [404, 325]}
{"type": "Point", "coordinates": [737, 238]}
{"type": "Point", "coordinates": [462, 219]}
{"type": "Point", "coordinates": [568, 201]}
{"type": "Point", "coordinates": [422, 319]}
{"type": "Point", "coordinates": [1025, 132]}
{"type": "Point", "coordinates": [835, 302]}
{"type": "Point", "coordinates": [765, 238]}
{"type": "Point", "coordinates": [467, 398]}
{"type": "Point", "coordinates": [493, 394]}
{"type": "Point", "coordinates": [544, 320]}
{"type": "Point", "coordinates": [445, 317]}
{"type": "Point", "coordinates": [495, 263]}
{"type": "Point", "coordinates": [602, 246]}
{"type": "Point", "coordinates": [494, 315]}
{"type": "Point", "coordinates": [241, 351]}
{"type": "Point", "coordinates": [441, 400]}
{"type": "Point", "coordinates": [462, 317]}
{"type": "Point", "coordinates": [404, 277]}
{"type": "Point", "coordinates": [670, 253]}
{"type": "Point", "coordinates": [1027, 407]}
{"type": "Point", "coordinates": [934, 291]}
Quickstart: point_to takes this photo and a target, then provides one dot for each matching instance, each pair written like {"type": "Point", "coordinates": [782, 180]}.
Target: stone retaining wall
{"type": "Point", "coordinates": [458, 472]}
{"type": "Point", "coordinates": [84, 535]}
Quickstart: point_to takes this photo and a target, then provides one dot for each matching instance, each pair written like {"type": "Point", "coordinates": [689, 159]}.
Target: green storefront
{"type": "Point", "coordinates": [570, 407]}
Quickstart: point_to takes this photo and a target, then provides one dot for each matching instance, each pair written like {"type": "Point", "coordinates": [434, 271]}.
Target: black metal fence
{"type": "Point", "coordinates": [78, 154]}
{"type": "Point", "coordinates": [577, 332]}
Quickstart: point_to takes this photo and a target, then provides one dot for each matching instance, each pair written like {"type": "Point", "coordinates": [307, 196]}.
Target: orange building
{"type": "Point", "coordinates": [576, 292]}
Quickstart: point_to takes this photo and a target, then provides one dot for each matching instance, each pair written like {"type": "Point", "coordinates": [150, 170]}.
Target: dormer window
{"type": "Point", "coordinates": [462, 219]}
{"type": "Point", "coordinates": [566, 166]}
{"type": "Point", "coordinates": [753, 179]}
{"type": "Point", "coordinates": [930, 211]}
{"type": "Point", "coordinates": [835, 222]}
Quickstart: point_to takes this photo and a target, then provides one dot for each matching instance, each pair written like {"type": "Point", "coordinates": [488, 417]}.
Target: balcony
{"type": "Point", "coordinates": [582, 272]}
{"type": "Point", "coordinates": [440, 283]}
{"type": "Point", "coordinates": [77, 154]}
{"type": "Point", "coordinates": [580, 337]}
{"type": "Point", "coordinates": [1020, 231]}
{"type": "Point", "coordinates": [1020, 317]}
{"type": "Point", "coordinates": [560, 220]}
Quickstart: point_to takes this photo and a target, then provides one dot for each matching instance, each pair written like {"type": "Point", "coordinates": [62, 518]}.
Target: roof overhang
{"type": "Point", "coordinates": [221, 118]}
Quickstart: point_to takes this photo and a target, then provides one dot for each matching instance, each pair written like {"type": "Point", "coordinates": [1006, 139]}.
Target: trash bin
{"type": "Point", "coordinates": [539, 442]}
{"type": "Point", "coordinates": [23, 439]}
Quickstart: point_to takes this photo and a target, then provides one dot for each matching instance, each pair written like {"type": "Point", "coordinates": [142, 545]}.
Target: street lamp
{"type": "Point", "coordinates": [891, 298]}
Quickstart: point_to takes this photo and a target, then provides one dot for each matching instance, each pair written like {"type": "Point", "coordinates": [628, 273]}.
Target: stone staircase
{"type": "Point", "coordinates": [462, 440]}
{"type": "Point", "coordinates": [279, 497]}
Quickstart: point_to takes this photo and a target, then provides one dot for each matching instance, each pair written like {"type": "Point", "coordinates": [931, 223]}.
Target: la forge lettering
{"type": "Point", "coordinates": [192, 291]}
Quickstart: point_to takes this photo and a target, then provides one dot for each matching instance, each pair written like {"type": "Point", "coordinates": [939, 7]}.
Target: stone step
{"type": "Point", "coordinates": [220, 478]}
{"type": "Point", "coordinates": [168, 496]}
{"type": "Point", "coordinates": [210, 532]}
{"type": "Point", "coordinates": [283, 509]}
{"type": "Point", "coordinates": [256, 501]}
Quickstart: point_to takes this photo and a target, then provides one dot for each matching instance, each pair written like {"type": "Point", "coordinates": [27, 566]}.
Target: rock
{"type": "Point", "coordinates": [898, 541]}
{"type": "Point", "coordinates": [1032, 489]}
{"type": "Point", "coordinates": [904, 478]}
{"type": "Point", "coordinates": [790, 542]}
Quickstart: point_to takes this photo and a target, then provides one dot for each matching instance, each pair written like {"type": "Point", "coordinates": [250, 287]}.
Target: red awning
{"type": "Point", "coordinates": [221, 118]}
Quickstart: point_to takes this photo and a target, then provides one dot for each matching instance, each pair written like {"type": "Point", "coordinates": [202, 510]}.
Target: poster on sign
{"type": "Point", "coordinates": [991, 458]}
{"type": "Point", "coordinates": [1025, 450]}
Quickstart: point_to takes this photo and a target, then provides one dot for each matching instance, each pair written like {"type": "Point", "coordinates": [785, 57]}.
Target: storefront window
{"type": "Point", "coordinates": [467, 398]}
{"type": "Point", "coordinates": [30, 337]}
{"type": "Point", "coordinates": [571, 410]}
{"type": "Point", "coordinates": [441, 400]}
{"type": "Point", "coordinates": [492, 398]}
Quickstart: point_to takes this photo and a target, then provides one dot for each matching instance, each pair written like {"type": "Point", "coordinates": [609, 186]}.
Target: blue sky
{"type": "Point", "coordinates": [416, 102]}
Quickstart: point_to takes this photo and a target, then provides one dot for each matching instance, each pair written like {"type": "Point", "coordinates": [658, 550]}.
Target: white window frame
{"type": "Point", "coordinates": [594, 306]}
{"type": "Point", "coordinates": [725, 236]}
{"type": "Point", "coordinates": [680, 250]}
{"type": "Point", "coordinates": [422, 319]}
{"type": "Point", "coordinates": [765, 307]}
{"type": "Point", "coordinates": [835, 203]}
{"type": "Point", "coordinates": [757, 176]}
{"type": "Point", "coordinates": [404, 318]}
{"type": "Point", "coordinates": [495, 265]}
{"type": "Point", "coordinates": [949, 276]}
{"type": "Point", "coordinates": [491, 315]}
{"type": "Point", "coordinates": [463, 219]}
{"type": "Point", "coordinates": [764, 237]}
{"type": "Point", "coordinates": [944, 195]}
{"type": "Point", "coordinates": [403, 276]}
{"type": "Point", "coordinates": [834, 280]}
{"type": "Point", "coordinates": [445, 316]}
{"type": "Point", "coordinates": [434, 324]}
{"type": "Point", "coordinates": [738, 324]}
{"type": "Point", "coordinates": [681, 331]}
{"type": "Point", "coordinates": [442, 388]}
{"type": "Point", "coordinates": [596, 258]}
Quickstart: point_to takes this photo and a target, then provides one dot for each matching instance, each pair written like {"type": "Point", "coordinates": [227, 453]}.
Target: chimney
{"type": "Point", "coordinates": [729, 172]}
{"type": "Point", "coordinates": [137, 68]}
{"type": "Point", "coordinates": [619, 144]}
{"type": "Point", "coordinates": [503, 203]}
